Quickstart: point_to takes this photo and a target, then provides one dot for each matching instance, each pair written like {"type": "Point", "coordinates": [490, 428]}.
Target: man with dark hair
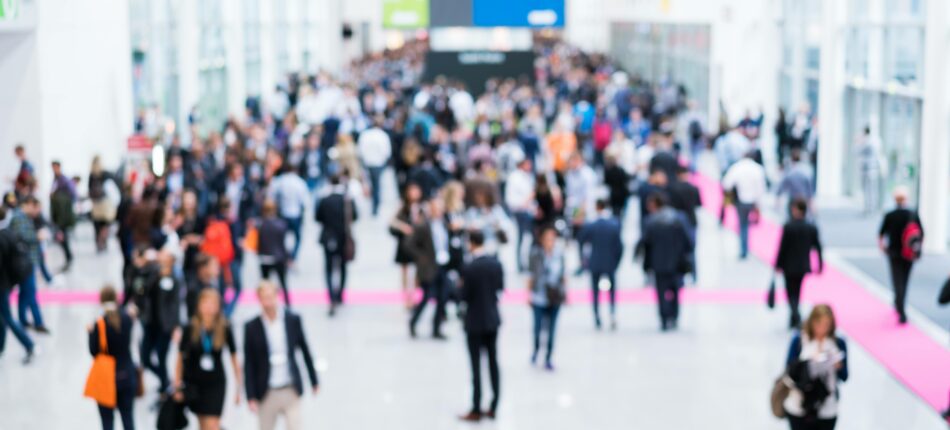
{"type": "Point", "coordinates": [26, 169]}
{"type": "Point", "coordinates": [483, 279]}
{"type": "Point", "coordinates": [606, 250]}
{"type": "Point", "coordinates": [63, 200]}
{"type": "Point", "coordinates": [22, 225]}
{"type": "Point", "coordinates": [799, 238]}
{"type": "Point", "coordinates": [665, 246]}
{"type": "Point", "coordinates": [336, 213]}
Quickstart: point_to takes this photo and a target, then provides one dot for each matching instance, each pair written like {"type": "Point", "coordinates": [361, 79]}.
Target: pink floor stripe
{"type": "Point", "coordinates": [511, 297]}
{"type": "Point", "coordinates": [915, 359]}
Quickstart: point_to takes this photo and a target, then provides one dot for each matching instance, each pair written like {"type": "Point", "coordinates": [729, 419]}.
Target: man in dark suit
{"type": "Point", "coordinates": [272, 377]}
{"type": "Point", "coordinates": [666, 246]}
{"type": "Point", "coordinates": [430, 247]}
{"type": "Point", "coordinates": [891, 239]}
{"type": "Point", "coordinates": [336, 213]}
{"type": "Point", "coordinates": [799, 237]}
{"type": "Point", "coordinates": [483, 280]}
{"type": "Point", "coordinates": [603, 235]}
{"type": "Point", "coordinates": [685, 198]}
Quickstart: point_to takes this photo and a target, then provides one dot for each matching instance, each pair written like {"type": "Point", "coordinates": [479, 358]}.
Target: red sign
{"type": "Point", "coordinates": [138, 143]}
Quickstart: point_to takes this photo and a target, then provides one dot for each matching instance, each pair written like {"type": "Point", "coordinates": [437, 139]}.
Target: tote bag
{"type": "Point", "coordinates": [100, 384]}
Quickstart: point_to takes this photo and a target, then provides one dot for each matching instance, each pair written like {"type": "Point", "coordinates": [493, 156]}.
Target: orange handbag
{"type": "Point", "coordinates": [251, 239]}
{"type": "Point", "coordinates": [100, 384]}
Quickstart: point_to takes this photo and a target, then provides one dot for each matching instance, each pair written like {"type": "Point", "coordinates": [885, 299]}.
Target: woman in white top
{"type": "Point", "coordinates": [817, 361]}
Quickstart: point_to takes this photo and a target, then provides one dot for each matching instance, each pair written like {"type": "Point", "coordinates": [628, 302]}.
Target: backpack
{"type": "Point", "coordinates": [15, 262]}
{"type": "Point", "coordinates": [912, 240]}
{"type": "Point", "coordinates": [217, 242]}
{"type": "Point", "coordinates": [602, 134]}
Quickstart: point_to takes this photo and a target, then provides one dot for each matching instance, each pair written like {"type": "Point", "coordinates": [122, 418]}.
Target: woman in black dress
{"type": "Point", "coordinates": [117, 326]}
{"type": "Point", "coordinates": [199, 374]}
{"type": "Point", "coordinates": [401, 228]}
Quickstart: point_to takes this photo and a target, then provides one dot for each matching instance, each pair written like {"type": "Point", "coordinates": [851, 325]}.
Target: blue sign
{"type": "Point", "coordinates": [518, 13]}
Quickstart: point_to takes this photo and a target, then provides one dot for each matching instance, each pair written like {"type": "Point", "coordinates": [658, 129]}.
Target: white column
{"type": "Point", "coordinates": [294, 47]}
{"type": "Point", "coordinates": [188, 62]}
{"type": "Point", "coordinates": [935, 136]}
{"type": "Point", "coordinates": [233, 17]}
{"type": "Point", "coordinates": [268, 48]}
{"type": "Point", "coordinates": [331, 41]}
{"type": "Point", "coordinates": [831, 144]}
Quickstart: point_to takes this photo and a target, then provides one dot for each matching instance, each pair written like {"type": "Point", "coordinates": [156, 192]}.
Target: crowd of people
{"type": "Point", "coordinates": [554, 158]}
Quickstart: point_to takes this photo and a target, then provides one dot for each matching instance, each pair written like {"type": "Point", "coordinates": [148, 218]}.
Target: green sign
{"type": "Point", "coordinates": [404, 14]}
{"type": "Point", "coordinates": [9, 9]}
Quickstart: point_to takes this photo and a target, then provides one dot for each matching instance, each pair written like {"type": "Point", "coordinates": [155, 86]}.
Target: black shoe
{"type": "Point", "coordinates": [489, 414]}
{"type": "Point", "coordinates": [664, 326]}
{"type": "Point", "coordinates": [672, 324]}
{"type": "Point", "coordinates": [30, 355]}
{"type": "Point", "coordinates": [332, 312]}
{"type": "Point", "coordinates": [439, 336]}
{"type": "Point", "coordinates": [41, 329]}
{"type": "Point", "coordinates": [902, 319]}
{"type": "Point", "coordinates": [597, 325]}
{"type": "Point", "coordinates": [946, 414]}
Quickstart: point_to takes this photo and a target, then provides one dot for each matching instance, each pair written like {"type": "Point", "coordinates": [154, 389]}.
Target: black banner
{"type": "Point", "coordinates": [475, 67]}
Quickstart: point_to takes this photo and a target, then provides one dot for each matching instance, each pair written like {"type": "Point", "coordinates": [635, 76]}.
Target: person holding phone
{"type": "Point", "coordinates": [817, 361]}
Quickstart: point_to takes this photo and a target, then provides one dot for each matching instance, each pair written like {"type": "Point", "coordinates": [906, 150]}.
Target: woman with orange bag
{"type": "Point", "coordinates": [117, 326]}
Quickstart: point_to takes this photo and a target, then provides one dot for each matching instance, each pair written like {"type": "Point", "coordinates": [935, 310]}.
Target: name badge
{"type": "Point", "coordinates": [166, 284]}
{"type": "Point", "coordinates": [278, 359]}
{"type": "Point", "coordinates": [207, 363]}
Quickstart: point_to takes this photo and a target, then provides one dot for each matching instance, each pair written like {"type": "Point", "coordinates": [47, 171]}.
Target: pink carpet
{"type": "Point", "coordinates": [914, 358]}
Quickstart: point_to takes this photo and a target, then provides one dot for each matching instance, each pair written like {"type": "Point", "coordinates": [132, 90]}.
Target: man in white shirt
{"type": "Point", "coordinates": [291, 194]}
{"type": "Point", "coordinates": [747, 178]}
{"type": "Point", "coordinates": [272, 377]}
{"type": "Point", "coordinates": [519, 197]}
{"type": "Point", "coordinates": [375, 149]}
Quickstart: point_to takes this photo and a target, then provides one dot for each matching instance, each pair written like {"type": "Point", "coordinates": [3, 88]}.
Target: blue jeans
{"type": "Point", "coordinates": [542, 315]}
{"type": "Point", "coordinates": [28, 302]}
{"type": "Point", "coordinates": [44, 270]}
{"type": "Point", "coordinates": [6, 319]}
{"type": "Point", "coordinates": [293, 226]}
{"type": "Point", "coordinates": [743, 210]}
{"type": "Point", "coordinates": [525, 224]}
{"type": "Point", "coordinates": [236, 281]}
{"type": "Point", "coordinates": [375, 173]}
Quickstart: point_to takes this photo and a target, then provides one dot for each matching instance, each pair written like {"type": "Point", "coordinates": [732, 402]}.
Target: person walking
{"type": "Point", "coordinates": [103, 208]}
{"type": "Point", "coordinates": [375, 149]}
{"type": "Point", "coordinates": [603, 235]}
{"type": "Point", "coordinates": [799, 238]}
{"type": "Point", "coordinates": [271, 250]}
{"type": "Point", "coordinates": [408, 215]}
{"type": "Point", "coordinates": [547, 287]}
{"type": "Point", "coordinates": [290, 194]}
{"type": "Point", "coordinates": [900, 237]}
{"type": "Point", "coordinates": [665, 247]}
{"type": "Point", "coordinates": [483, 279]}
{"type": "Point", "coordinates": [112, 335]}
{"type": "Point", "coordinates": [868, 150]}
{"type": "Point", "coordinates": [817, 361]}
{"type": "Point", "coordinates": [430, 246]}
{"type": "Point", "coordinates": [63, 200]}
{"type": "Point", "coordinates": [200, 380]}
{"type": "Point", "coordinates": [747, 178]}
{"type": "Point", "coordinates": [271, 372]}
{"type": "Point", "coordinates": [23, 228]}
{"type": "Point", "coordinates": [336, 214]}
{"type": "Point", "coordinates": [520, 200]}
{"type": "Point", "coordinates": [160, 318]}
{"type": "Point", "coordinates": [796, 182]}
{"type": "Point", "coordinates": [12, 261]}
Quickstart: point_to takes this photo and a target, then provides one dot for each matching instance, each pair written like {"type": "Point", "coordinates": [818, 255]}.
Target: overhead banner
{"type": "Point", "coordinates": [451, 13]}
{"type": "Point", "coordinates": [475, 67]}
{"type": "Point", "coordinates": [518, 13]}
{"type": "Point", "coordinates": [9, 10]}
{"type": "Point", "coordinates": [405, 14]}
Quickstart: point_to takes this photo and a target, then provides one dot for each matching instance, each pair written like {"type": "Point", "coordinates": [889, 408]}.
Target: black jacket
{"type": "Point", "coordinates": [119, 344]}
{"type": "Point", "coordinates": [482, 280]}
{"type": "Point", "coordinates": [330, 214]}
{"type": "Point", "coordinates": [271, 234]}
{"type": "Point", "coordinates": [794, 252]}
{"type": "Point", "coordinates": [162, 295]}
{"type": "Point", "coordinates": [606, 250]}
{"type": "Point", "coordinates": [685, 198]}
{"type": "Point", "coordinates": [257, 357]}
{"type": "Point", "coordinates": [892, 229]}
{"type": "Point", "coordinates": [666, 244]}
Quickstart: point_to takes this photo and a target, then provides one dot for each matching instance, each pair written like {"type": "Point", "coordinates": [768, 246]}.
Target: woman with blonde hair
{"type": "Point", "coordinates": [200, 380]}
{"type": "Point", "coordinates": [817, 361]}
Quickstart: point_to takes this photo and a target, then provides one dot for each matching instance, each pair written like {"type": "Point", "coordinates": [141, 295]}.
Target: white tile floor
{"type": "Point", "coordinates": [716, 372]}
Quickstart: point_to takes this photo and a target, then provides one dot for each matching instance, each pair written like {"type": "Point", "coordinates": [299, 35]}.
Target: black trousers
{"type": "Point", "coordinates": [124, 401]}
{"type": "Point", "coordinates": [476, 343]}
{"type": "Point", "coordinates": [434, 289]}
{"type": "Point", "coordinates": [63, 241]}
{"type": "Point", "coordinates": [281, 270]}
{"type": "Point", "coordinates": [668, 295]}
{"type": "Point", "coordinates": [793, 290]}
{"type": "Point", "coordinates": [900, 275]}
{"type": "Point", "coordinates": [798, 423]}
{"type": "Point", "coordinates": [334, 262]}
{"type": "Point", "coordinates": [156, 341]}
{"type": "Point", "coordinates": [595, 278]}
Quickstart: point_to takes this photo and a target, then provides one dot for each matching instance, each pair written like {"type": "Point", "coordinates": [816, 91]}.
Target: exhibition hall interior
{"type": "Point", "coordinates": [461, 214]}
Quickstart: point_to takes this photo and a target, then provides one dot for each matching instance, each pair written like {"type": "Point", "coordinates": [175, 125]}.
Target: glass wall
{"type": "Point", "coordinates": [679, 52]}
{"type": "Point", "coordinates": [884, 67]}
{"type": "Point", "coordinates": [212, 66]}
{"type": "Point", "coordinates": [252, 46]}
{"type": "Point", "coordinates": [801, 31]}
